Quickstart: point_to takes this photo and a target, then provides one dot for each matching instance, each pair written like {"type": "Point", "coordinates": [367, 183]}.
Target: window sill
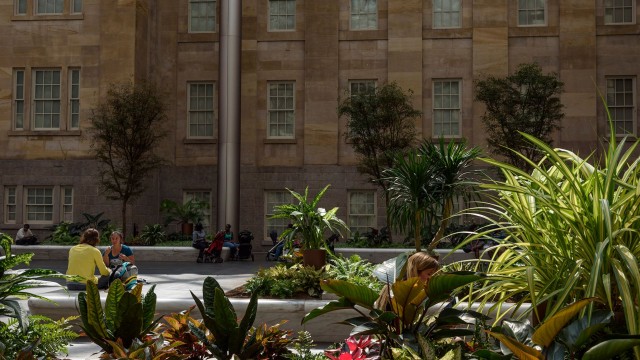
{"type": "Point", "coordinates": [280, 141]}
{"type": "Point", "coordinates": [44, 133]}
{"type": "Point", "coordinates": [47, 17]}
{"type": "Point", "coordinates": [200, 141]}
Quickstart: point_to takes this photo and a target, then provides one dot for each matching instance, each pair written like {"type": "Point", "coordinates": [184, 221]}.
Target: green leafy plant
{"type": "Point", "coordinates": [42, 337]}
{"type": "Point", "coordinates": [61, 234]}
{"type": "Point", "coordinates": [286, 281]}
{"type": "Point", "coordinates": [423, 184]}
{"type": "Point", "coordinates": [310, 222]}
{"type": "Point", "coordinates": [572, 232]}
{"type": "Point", "coordinates": [563, 336]}
{"type": "Point", "coordinates": [405, 323]}
{"type": "Point", "coordinates": [15, 285]}
{"type": "Point", "coordinates": [127, 315]}
{"type": "Point", "coordinates": [231, 337]}
{"type": "Point", "coordinates": [353, 269]}
{"type": "Point", "coordinates": [302, 346]}
{"type": "Point", "coordinates": [191, 211]}
{"type": "Point", "coordinates": [148, 348]}
{"type": "Point", "coordinates": [153, 234]}
{"type": "Point", "coordinates": [272, 340]}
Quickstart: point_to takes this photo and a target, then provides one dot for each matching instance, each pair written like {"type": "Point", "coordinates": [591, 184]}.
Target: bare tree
{"type": "Point", "coordinates": [127, 128]}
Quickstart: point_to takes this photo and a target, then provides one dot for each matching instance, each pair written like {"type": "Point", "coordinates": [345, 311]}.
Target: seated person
{"type": "Point", "coordinates": [420, 265]}
{"type": "Point", "coordinates": [118, 253]}
{"type": "Point", "coordinates": [199, 241]}
{"type": "Point", "coordinates": [25, 236]}
{"type": "Point", "coordinates": [84, 258]}
{"type": "Point", "coordinates": [229, 242]}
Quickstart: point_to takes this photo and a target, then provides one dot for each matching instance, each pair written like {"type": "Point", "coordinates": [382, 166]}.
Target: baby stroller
{"type": "Point", "coordinates": [212, 253]}
{"type": "Point", "coordinates": [244, 247]}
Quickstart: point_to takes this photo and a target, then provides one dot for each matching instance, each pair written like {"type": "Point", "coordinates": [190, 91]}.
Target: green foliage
{"type": "Point", "coordinates": [572, 232]}
{"type": "Point", "coordinates": [272, 341]}
{"type": "Point", "coordinates": [302, 346]}
{"type": "Point", "coordinates": [148, 348]}
{"type": "Point", "coordinates": [405, 323]}
{"type": "Point", "coordinates": [563, 336]}
{"type": "Point", "coordinates": [191, 211]}
{"type": "Point", "coordinates": [233, 338]}
{"type": "Point", "coordinates": [527, 101]}
{"type": "Point", "coordinates": [127, 127]}
{"type": "Point", "coordinates": [286, 281]}
{"type": "Point", "coordinates": [126, 315]}
{"type": "Point", "coordinates": [66, 233]}
{"type": "Point", "coordinates": [423, 184]}
{"type": "Point", "coordinates": [353, 269]}
{"type": "Point", "coordinates": [43, 337]}
{"type": "Point", "coordinates": [15, 284]}
{"type": "Point", "coordinates": [309, 221]}
{"type": "Point", "coordinates": [153, 234]}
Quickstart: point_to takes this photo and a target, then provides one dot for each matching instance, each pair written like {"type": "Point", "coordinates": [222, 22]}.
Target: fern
{"type": "Point", "coordinates": [50, 337]}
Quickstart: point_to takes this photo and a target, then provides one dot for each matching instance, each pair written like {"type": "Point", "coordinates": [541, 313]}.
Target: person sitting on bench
{"type": "Point", "coordinates": [25, 236]}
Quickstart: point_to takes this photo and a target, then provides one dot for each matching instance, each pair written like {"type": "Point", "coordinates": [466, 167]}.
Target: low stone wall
{"type": "Point", "coordinates": [377, 256]}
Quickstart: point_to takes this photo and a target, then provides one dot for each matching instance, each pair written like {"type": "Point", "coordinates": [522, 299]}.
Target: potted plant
{"type": "Point", "coordinates": [309, 223]}
{"type": "Point", "coordinates": [186, 214]}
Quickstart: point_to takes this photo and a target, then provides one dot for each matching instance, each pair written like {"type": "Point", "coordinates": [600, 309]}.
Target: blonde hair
{"type": "Point", "coordinates": [416, 263]}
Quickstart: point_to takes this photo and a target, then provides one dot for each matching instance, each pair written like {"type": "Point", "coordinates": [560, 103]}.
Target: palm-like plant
{"type": "Point", "coordinates": [308, 220]}
{"type": "Point", "coordinates": [423, 185]}
{"type": "Point", "coordinates": [572, 231]}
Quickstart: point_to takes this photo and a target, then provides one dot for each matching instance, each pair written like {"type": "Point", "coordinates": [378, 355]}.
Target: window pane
{"type": "Point", "coordinates": [446, 14]}
{"type": "Point", "coordinates": [47, 99]}
{"type": "Point", "coordinates": [281, 109]}
{"type": "Point", "coordinates": [446, 108]}
{"type": "Point", "coordinates": [18, 100]}
{"type": "Point", "coordinates": [364, 14]}
{"type": "Point", "coordinates": [272, 199]}
{"type": "Point", "coordinates": [362, 215]}
{"type": "Point", "coordinates": [201, 110]}
{"type": "Point", "coordinates": [39, 204]}
{"type": "Point", "coordinates": [531, 12]}
{"type": "Point", "coordinates": [620, 102]}
{"type": "Point", "coordinates": [202, 15]}
{"type": "Point", "coordinates": [282, 14]}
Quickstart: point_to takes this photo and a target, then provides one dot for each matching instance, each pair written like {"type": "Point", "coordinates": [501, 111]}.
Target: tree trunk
{"type": "Point", "coordinates": [446, 213]}
{"type": "Point", "coordinates": [124, 218]}
{"type": "Point", "coordinates": [417, 231]}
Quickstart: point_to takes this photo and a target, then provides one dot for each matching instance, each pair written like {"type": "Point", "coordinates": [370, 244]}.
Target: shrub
{"type": "Point", "coordinates": [286, 281]}
{"type": "Point", "coordinates": [353, 269]}
{"type": "Point", "coordinates": [153, 234]}
{"type": "Point", "coordinates": [42, 336]}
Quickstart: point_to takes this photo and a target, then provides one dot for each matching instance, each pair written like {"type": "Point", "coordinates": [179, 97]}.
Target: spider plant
{"type": "Point", "coordinates": [572, 232]}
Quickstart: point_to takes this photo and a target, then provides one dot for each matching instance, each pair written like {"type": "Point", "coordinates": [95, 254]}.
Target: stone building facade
{"type": "Point", "coordinates": [58, 58]}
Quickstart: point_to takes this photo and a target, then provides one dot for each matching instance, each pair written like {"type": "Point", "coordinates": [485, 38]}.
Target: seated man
{"type": "Point", "coordinates": [25, 236]}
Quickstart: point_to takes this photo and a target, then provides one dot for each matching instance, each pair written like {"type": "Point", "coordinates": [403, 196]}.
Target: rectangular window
{"type": "Point", "coordinates": [282, 15]}
{"type": "Point", "coordinates": [202, 16]}
{"type": "Point", "coordinates": [76, 6]}
{"type": "Point", "coordinates": [20, 7]}
{"type": "Point", "coordinates": [74, 99]}
{"type": "Point", "coordinates": [46, 100]}
{"type": "Point", "coordinates": [67, 204]}
{"type": "Point", "coordinates": [281, 110]}
{"type": "Point", "coordinates": [204, 196]}
{"type": "Point", "coordinates": [39, 205]}
{"type": "Point", "coordinates": [362, 87]}
{"type": "Point", "coordinates": [364, 14]}
{"type": "Point", "coordinates": [10, 204]}
{"type": "Point", "coordinates": [531, 12]}
{"type": "Point", "coordinates": [621, 103]}
{"type": "Point", "coordinates": [619, 11]}
{"type": "Point", "coordinates": [446, 14]}
{"type": "Point", "coordinates": [18, 100]}
{"type": "Point", "coordinates": [446, 108]}
{"type": "Point", "coordinates": [49, 6]}
{"type": "Point", "coordinates": [272, 199]}
{"type": "Point", "coordinates": [201, 112]}
{"type": "Point", "coordinates": [362, 211]}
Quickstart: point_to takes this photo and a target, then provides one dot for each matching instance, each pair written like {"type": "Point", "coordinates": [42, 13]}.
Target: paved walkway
{"type": "Point", "coordinates": [172, 279]}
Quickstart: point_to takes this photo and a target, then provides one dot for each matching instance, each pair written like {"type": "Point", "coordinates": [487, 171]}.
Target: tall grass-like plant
{"type": "Point", "coordinates": [572, 227]}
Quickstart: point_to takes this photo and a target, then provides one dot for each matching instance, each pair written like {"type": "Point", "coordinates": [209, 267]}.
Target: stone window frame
{"type": "Point", "coordinates": [28, 10]}
{"type": "Point", "coordinates": [24, 102]}
{"type": "Point", "coordinates": [46, 99]}
{"type": "Point", "coordinates": [66, 203]}
{"type": "Point", "coordinates": [529, 10]}
{"type": "Point", "coordinates": [436, 108]}
{"type": "Point", "coordinates": [207, 16]}
{"type": "Point", "coordinates": [289, 113]}
{"type": "Point", "coordinates": [275, 13]}
{"type": "Point", "coordinates": [191, 111]}
{"type": "Point", "coordinates": [10, 204]}
{"type": "Point", "coordinates": [352, 214]}
{"type": "Point", "coordinates": [362, 86]}
{"type": "Point", "coordinates": [627, 9]}
{"type": "Point", "coordinates": [358, 10]}
{"type": "Point", "coordinates": [629, 92]}
{"type": "Point", "coordinates": [443, 12]}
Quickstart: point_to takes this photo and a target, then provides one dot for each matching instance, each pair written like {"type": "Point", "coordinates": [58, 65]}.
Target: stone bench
{"type": "Point", "coordinates": [142, 253]}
